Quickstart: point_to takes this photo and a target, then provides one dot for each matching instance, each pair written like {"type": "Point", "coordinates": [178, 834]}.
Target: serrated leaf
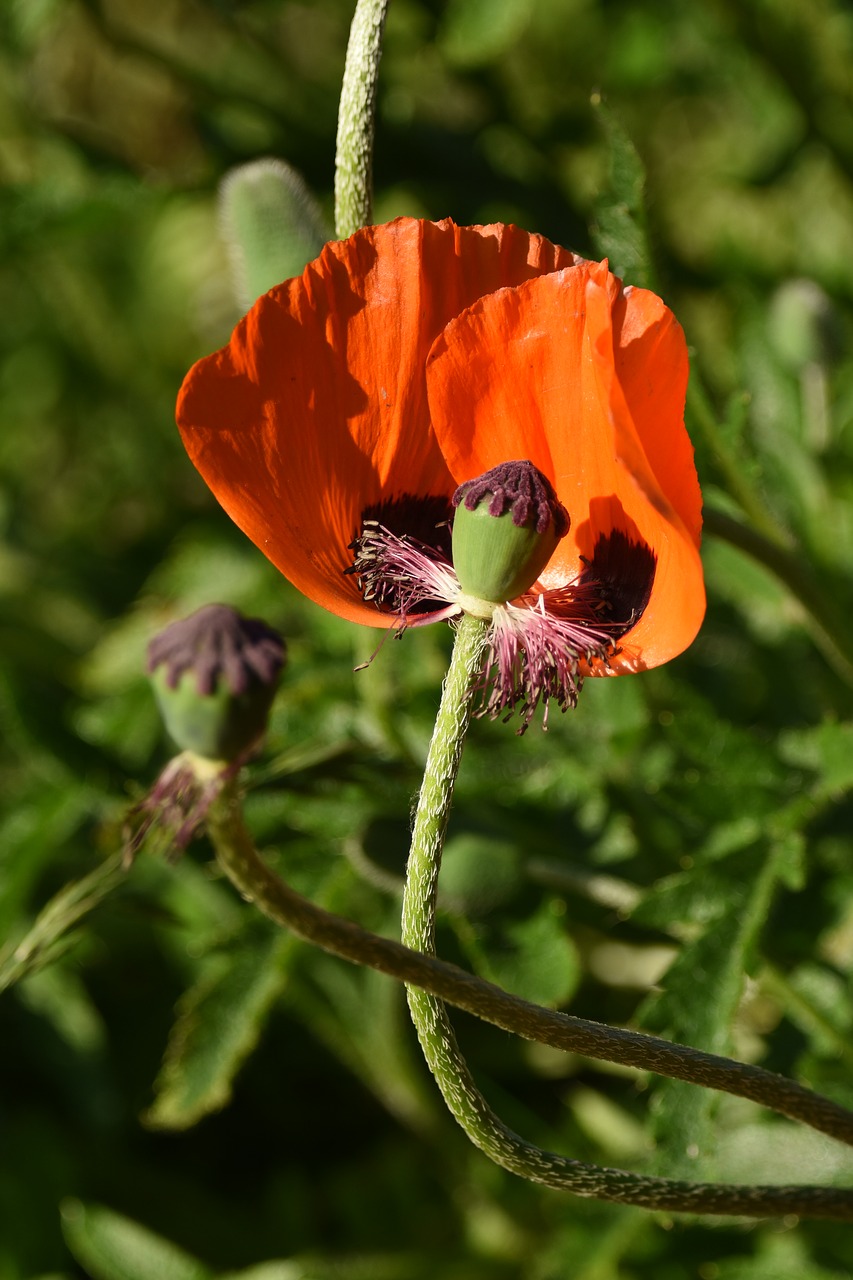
{"type": "Point", "coordinates": [700, 895]}
{"type": "Point", "coordinates": [272, 225]}
{"type": "Point", "coordinates": [701, 993]}
{"type": "Point", "coordinates": [112, 1247]}
{"type": "Point", "coordinates": [219, 1022]}
{"type": "Point", "coordinates": [619, 229]}
{"type": "Point", "coordinates": [536, 959]}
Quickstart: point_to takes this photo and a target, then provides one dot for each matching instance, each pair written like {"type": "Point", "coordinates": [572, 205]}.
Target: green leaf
{"type": "Point", "coordinates": [612, 1127]}
{"type": "Point", "coordinates": [58, 994]}
{"type": "Point", "coordinates": [281, 1270]}
{"type": "Point", "coordinates": [815, 999]}
{"type": "Point", "coordinates": [272, 225]}
{"type": "Point", "coordinates": [827, 750]}
{"type": "Point", "coordinates": [362, 1266]}
{"type": "Point", "coordinates": [779, 1256]}
{"type": "Point", "coordinates": [218, 1025]}
{"type": "Point", "coordinates": [535, 959]}
{"type": "Point", "coordinates": [619, 228]}
{"type": "Point", "coordinates": [359, 1015]}
{"type": "Point", "coordinates": [702, 991]}
{"type": "Point", "coordinates": [112, 1247]}
{"type": "Point", "coordinates": [791, 850]}
{"type": "Point", "coordinates": [478, 873]}
{"type": "Point", "coordinates": [50, 933]}
{"type": "Point", "coordinates": [476, 32]}
{"type": "Point", "coordinates": [44, 818]}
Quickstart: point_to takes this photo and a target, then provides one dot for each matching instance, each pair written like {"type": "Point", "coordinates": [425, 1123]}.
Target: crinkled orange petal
{"type": "Point", "coordinates": [317, 407]}
{"type": "Point", "coordinates": [666, 503]}
{"type": "Point", "coordinates": [651, 366]}
{"type": "Point", "coordinates": [534, 372]}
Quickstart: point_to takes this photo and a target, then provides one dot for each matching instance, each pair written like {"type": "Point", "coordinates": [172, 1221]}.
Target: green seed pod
{"type": "Point", "coordinates": [214, 676]}
{"type": "Point", "coordinates": [507, 525]}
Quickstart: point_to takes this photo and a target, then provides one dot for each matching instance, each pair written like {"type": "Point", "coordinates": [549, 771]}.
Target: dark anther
{"type": "Point", "coordinates": [425, 520]}
{"type": "Point", "coordinates": [623, 573]}
{"type": "Point", "coordinates": [422, 523]}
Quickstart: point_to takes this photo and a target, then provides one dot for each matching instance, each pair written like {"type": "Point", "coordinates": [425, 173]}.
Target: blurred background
{"type": "Point", "coordinates": [183, 1091]}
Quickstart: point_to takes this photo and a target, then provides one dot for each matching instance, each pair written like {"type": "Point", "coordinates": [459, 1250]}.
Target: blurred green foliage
{"type": "Point", "coordinates": [676, 852]}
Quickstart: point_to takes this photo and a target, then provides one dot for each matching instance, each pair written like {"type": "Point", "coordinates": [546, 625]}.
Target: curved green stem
{"type": "Point", "coordinates": [356, 119]}
{"type": "Point", "coordinates": [257, 883]}
{"type": "Point", "coordinates": [436, 793]}
{"type": "Point", "coordinates": [438, 1041]}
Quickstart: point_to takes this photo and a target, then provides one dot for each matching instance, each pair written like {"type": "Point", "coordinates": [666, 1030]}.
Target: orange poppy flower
{"type": "Point", "coordinates": [351, 403]}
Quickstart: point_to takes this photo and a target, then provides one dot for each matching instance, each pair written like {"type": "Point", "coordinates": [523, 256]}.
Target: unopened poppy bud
{"type": "Point", "coordinates": [507, 524]}
{"type": "Point", "coordinates": [804, 327]}
{"type": "Point", "coordinates": [214, 676]}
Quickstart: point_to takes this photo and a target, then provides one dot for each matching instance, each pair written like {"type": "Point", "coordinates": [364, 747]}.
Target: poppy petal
{"type": "Point", "coordinates": [652, 367]}
{"type": "Point", "coordinates": [533, 372]}
{"type": "Point", "coordinates": [676, 606]}
{"type": "Point", "coordinates": [317, 411]}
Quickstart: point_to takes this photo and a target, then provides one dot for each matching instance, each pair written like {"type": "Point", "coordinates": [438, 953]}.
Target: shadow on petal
{"type": "Point", "coordinates": [618, 561]}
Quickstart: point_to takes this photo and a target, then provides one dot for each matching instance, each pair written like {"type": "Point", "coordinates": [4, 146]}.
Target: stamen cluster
{"type": "Point", "coordinates": [539, 645]}
{"type": "Point", "coordinates": [535, 654]}
{"type": "Point", "coordinates": [403, 575]}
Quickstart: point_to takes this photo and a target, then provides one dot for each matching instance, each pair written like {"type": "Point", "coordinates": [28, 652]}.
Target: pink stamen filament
{"type": "Point", "coordinates": [536, 645]}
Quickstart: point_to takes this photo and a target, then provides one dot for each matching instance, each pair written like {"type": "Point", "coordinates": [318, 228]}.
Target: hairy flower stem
{"type": "Point", "coordinates": [257, 883]}
{"type": "Point", "coordinates": [438, 1041]}
{"type": "Point", "coordinates": [436, 793]}
{"type": "Point", "coordinates": [283, 905]}
{"type": "Point", "coordinates": [357, 119]}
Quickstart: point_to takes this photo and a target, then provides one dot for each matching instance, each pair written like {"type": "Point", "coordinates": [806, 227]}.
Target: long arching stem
{"type": "Point", "coordinates": [435, 1030]}
{"type": "Point", "coordinates": [438, 981]}
{"type": "Point", "coordinates": [341, 937]}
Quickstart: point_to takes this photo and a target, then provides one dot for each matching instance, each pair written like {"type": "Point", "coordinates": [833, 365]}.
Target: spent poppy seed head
{"type": "Point", "coordinates": [173, 812]}
{"type": "Point", "coordinates": [214, 675]}
{"type": "Point", "coordinates": [508, 522]}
